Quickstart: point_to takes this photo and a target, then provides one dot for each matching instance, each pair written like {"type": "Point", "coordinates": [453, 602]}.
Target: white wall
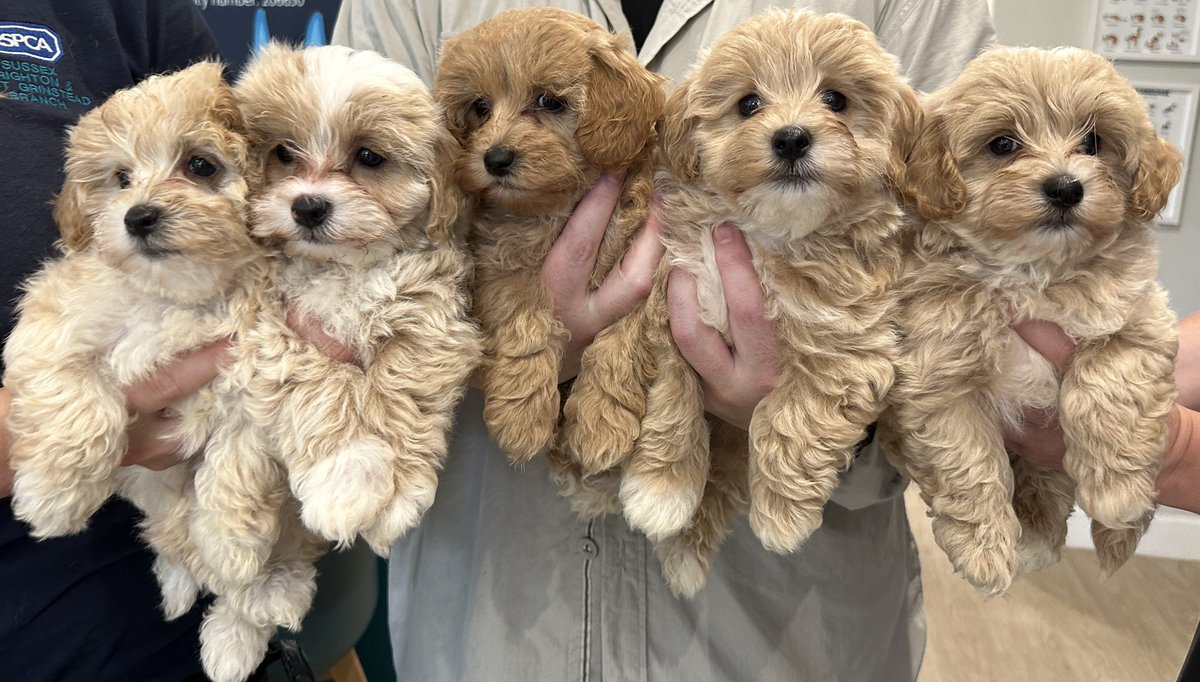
{"type": "Point", "coordinates": [1050, 23]}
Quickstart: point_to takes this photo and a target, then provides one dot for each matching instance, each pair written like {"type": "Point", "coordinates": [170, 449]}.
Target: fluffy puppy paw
{"type": "Point", "coordinates": [682, 568]}
{"type": "Point", "coordinates": [1118, 500]}
{"type": "Point", "coordinates": [783, 524]}
{"type": "Point", "coordinates": [1036, 551]}
{"type": "Point", "coordinates": [984, 554]}
{"type": "Point", "coordinates": [342, 495]}
{"type": "Point", "coordinates": [57, 503]}
{"type": "Point", "coordinates": [522, 427]}
{"type": "Point", "coordinates": [280, 598]}
{"type": "Point", "coordinates": [235, 554]}
{"type": "Point", "coordinates": [231, 646]}
{"type": "Point", "coordinates": [178, 586]}
{"type": "Point", "coordinates": [415, 493]}
{"type": "Point", "coordinates": [1114, 546]}
{"type": "Point", "coordinates": [659, 506]}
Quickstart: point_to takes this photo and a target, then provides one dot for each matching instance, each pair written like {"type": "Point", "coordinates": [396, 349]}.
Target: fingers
{"type": "Point", "coordinates": [700, 344]}
{"type": "Point", "coordinates": [753, 334]}
{"type": "Point", "coordinates": [184, 376]}
{"type": "Point", "coordinates": [153, 441]}
{"type": "Point", "coordinates": [313, 332]}
{"type": "Point", "coordinates": [1040, 440]}
{"type": "Point", "coordinates": [568, 266]}
{"type": "Point", "coordinates": [1048, 339]}
{"type": "Point", "coordinates": [631, 281]}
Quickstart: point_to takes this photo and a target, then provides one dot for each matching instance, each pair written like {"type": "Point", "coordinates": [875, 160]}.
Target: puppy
{"type": "Point", "coordinates": [792, 127]}
{"type": "Point", "coordinates": [355, 191]}
{"type": "Point", "coordinates": [1035, 184]}
{"type": "Point", "coordinates": [157, 261]}
{"type": "Point", "coordinates": [537, 126]}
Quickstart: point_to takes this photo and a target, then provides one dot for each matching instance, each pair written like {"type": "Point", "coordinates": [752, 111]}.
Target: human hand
{"type": "Point", "coordinates": [567, 271]}
{"type": "Point", "coordinates": [1040, 441]}
{"type": "Point", "coordinates": [314, 332]}
{"type": "Point", "coordinates": [152, 434]}
{"type": "Point", "coordinates": [735, 379]}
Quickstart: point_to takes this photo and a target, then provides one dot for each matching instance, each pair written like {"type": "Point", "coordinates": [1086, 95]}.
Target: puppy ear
{"type": "Point", "coordinates": [1158, 170]}
{"type": "Point", "coordinates": [928, 179]}
{"type": "Point", "coordinates": [73, 224]}
{"type": "Point", "coordinates": [447, 218]}
{"type": "Point", "coordinates": [676, 136]}
{"type": "Point", "coordinates": [624, 101]}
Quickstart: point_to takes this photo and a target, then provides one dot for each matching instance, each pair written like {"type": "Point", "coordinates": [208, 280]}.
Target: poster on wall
{"type": "Point", "coordinates": [239, 25]}
{"type": "Point", "coordinates": [1172, 108]}
{"type": "Point", "coordinates": [1156, 30]}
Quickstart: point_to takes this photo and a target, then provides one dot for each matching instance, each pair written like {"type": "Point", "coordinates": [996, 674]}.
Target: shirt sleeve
{"type": "Point", "coordinates": [404, 30]}
{"type": "Point", "coordinates": [162, 35]}
{"type": "Point", "coordinates": [935, 39]}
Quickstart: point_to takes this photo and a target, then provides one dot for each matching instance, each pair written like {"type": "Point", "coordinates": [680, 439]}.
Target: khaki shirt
{"type": "Point", "coordinates": [501, 581]}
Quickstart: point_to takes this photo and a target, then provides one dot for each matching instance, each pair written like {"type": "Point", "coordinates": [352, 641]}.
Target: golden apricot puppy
{"type": "Point", "coordinates": [538, 122]}
{"type": "Point", "coordinates": [1036, 182]}
{"type": "Point", "coordinates": [794, 127]}
{"type": "Point", "coordinates": [157, 261]}
{"type": "Point", "coordinates": [355, 190]}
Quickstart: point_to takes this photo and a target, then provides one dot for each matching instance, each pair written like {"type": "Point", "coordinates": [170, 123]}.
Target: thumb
{"type": "Point", "coordinates": [1048, 339]}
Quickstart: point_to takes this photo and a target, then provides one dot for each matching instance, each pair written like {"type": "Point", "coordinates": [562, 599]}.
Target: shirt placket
{"type": "Point", "coordinates": [622, 557]}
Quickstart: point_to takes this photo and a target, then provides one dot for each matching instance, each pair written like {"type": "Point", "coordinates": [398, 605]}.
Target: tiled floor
{"type": "Point", "coordinates": [1063, 624]}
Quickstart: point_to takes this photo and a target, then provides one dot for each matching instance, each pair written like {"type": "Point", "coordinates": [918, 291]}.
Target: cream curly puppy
{"type": "Point", "coordinates": [794, 128]}
{"type": "Point", "coordinates": [538, 124]}
{"type": "Point", "coordinates": [356, 193]}
{"type": "Point", "coordinates": [157, 261]}
{"type": "Point", "coordinates": [1037, 180]}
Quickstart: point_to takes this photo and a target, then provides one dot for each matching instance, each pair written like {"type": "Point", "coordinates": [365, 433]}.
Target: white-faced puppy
{"type": "Point", "coordinates": [158, 260]}
{"type": "Point", "coordinates": [792, 127]}
{"type": "Point", "coordinates": [1036, 181]}
{"type": "Point", "coordinates": [539, 120]}
{"type": "Point", "coordinates": [356, 192]}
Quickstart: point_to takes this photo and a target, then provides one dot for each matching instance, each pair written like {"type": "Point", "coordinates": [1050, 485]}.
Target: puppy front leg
{"type": "Point", "coordinates": [1114, 404]}
{"type": "Point", "coordinates": [239, 489]}
{"type": "Point", "coordinates": [523, 349]}
{"type": "Point", "coordinates": [664, 478]}
{"type": "Point", "coordinates": [67, 435]}
{"type": "Point", "coordinates": [687, 556]}
{"type": "Point", "coordinates": [603, 415]}
{"type": "Point", "coordinates": [954, 452]}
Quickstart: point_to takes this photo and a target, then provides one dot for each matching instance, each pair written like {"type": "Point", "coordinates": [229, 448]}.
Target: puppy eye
{"type": "Point", "coordinates": [368, 158]}
{"type": "Point", "coordinates": [1004, 146]}
{"type": "Point", "coordinates": [123, 179]}
{"type": "Point", "coordinates": [551, 104]}
{"type": "Point", "coordinates": [482, 108]}
{"type": "Point", "coordinates": [1091, 144]}
{"type": "Point", "coordinates": [284, 154]}
{"type": "Point", "coordinates": [201, 167]}
{"type": "Point", "coordinates": [749, 105]}
{"type": "Point", "coordinates": [833, 99]}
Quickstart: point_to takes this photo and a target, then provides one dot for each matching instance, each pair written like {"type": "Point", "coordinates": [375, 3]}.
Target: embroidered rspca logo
{"type": "Point", "coordinates": [30, 40]}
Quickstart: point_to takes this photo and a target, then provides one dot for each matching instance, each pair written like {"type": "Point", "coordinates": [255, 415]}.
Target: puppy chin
{"type": "Point", "coordinates": [776, 215]}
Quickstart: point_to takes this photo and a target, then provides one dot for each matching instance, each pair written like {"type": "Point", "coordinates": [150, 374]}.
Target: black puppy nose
{"type": "Point", "coordinates": [310, 211]}
{"type": "Point", "coordinates": [499, 160]}
{"type": "Point", "coordinates": [1064, 191]}
{"type": "Point", "coordinates": [142, 219]}
{"type": "Point", "coordinates": [791, 143]}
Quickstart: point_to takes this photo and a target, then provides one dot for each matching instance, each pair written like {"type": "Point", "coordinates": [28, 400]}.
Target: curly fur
{"type": "Point", "coordinates": [490, 86]}
{"type": "Point", "coordinates": [383, 272]}
{"type": "Point", "coordinates": [989, 249]}
{"type": "Point", "coordinates": [117, 306]}
{"type": "Point", "coordinates": [821, 234]}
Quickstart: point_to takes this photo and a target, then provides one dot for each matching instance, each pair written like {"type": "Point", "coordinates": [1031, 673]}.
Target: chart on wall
{"type": "Point", "coordinates": [1159, 30]}
{"type": "Point", "coordinates": [1172, 108]}
{"type": "Point", "coordinates": [240, 25]}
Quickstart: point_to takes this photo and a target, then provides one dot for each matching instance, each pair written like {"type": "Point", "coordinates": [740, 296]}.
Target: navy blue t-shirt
{"type": "Point", "coordinates": [84, 607]}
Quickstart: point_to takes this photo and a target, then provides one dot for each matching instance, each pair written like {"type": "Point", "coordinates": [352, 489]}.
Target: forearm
{"type": "Point", "coordinates": [5, 472]}
{"type": "Point", "coordinates": [1187, 364]}
{"type": "Point", "coordinates": [1179, 481]}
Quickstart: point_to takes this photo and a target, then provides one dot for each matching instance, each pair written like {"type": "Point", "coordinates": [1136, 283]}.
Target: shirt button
{"type": "Point", "coordinates": [588, 548]}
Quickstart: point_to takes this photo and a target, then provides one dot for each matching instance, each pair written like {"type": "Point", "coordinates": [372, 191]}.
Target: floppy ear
{"type": "Point", "coordinates": [928, 180]}
{"type": "Point", "coordinates": [624, 102]}
{"type": "Point", "coordinates": [447, 218]}
{"type": "Point", "coordinates": [73, 224]}
{"type": "Point", "coordinates": [1157, 172]}
{"type": "Point", "coordinates": [676, 137]}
